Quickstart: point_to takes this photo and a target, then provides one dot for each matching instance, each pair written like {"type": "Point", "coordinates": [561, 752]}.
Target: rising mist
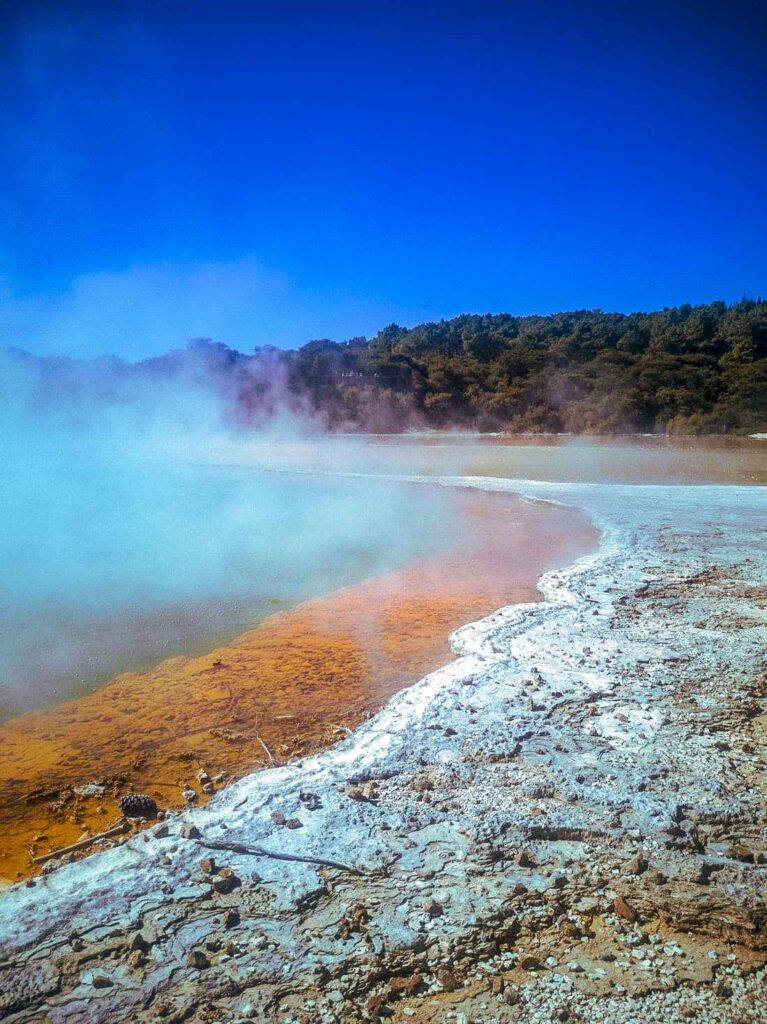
{"type": "Point", "coordinates": [121, 540]}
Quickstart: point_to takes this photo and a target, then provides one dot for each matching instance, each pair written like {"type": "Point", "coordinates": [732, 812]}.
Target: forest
{"type": "Point", "coordinates": [687, 370]}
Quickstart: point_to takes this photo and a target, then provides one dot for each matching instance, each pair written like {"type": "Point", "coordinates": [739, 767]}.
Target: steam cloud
{"type": "Point", "coordinates": [121, 540]}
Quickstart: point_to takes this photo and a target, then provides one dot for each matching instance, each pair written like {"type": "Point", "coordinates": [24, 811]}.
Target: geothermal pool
{"type": "Point", "coordinates": [297, 681]}
{"type": "Point", "coordinates": [110, 564]}
{"type": "Point", "coordinates": [629, 459]}
{"type": "Point", "coordinates": [110, 567]}
{"type": "Point", "coordinates": [163, 619]}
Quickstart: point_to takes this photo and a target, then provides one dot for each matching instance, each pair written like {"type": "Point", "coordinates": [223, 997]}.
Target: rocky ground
{"type": "Point", "coordinates": [566, 824]}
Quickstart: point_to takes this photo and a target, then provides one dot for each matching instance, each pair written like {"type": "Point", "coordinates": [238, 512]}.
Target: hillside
{"type": "Point", "coordinates": [699, 369]}
{"type": "Point", "coordinates": [688, 370]}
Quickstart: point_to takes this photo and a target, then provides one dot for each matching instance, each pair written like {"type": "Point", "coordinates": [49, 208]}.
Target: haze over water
{"type": "Point", "coordinates": [106, 569]}
{"type": "Point", "coordinates": [629, 459]}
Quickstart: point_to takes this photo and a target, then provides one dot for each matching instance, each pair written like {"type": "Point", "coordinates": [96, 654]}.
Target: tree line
{"type": "Point", "coordinates": [687, 370]}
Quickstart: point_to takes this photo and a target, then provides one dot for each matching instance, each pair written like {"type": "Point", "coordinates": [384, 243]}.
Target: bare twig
{"type": "Point", "coordinates": [268, 751]}
{"type": "Point", "coordinates": [83, 844]}
{"type": "Point", "coordinates": [259, 851]}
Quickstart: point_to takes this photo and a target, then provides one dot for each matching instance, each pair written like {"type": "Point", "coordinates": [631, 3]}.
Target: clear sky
{"type": "Point", "coordinates": [275, 172]}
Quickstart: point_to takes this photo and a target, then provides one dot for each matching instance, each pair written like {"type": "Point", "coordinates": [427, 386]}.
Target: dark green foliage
{"type": "Point", "coordinates": [690, 370]}
{"type": "Point", "coordinates": [700, 369]}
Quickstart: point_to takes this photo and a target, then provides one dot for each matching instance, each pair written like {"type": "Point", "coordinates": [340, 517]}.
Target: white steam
{"type": "Point", "coordinates": [118, 545]}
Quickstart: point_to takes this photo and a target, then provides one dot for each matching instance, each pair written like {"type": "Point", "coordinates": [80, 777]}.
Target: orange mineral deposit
{"type": "Point", "coordinates": [294, 684]}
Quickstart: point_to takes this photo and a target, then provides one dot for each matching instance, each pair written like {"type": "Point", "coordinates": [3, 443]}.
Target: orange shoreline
{"type": "Point", "coordinates": [291, 686]}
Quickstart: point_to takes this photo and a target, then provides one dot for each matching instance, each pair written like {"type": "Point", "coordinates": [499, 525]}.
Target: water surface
{"type": "Point", "coordinates": [633, 459]}
{"type": "Point", "coordinates": [112, 567]}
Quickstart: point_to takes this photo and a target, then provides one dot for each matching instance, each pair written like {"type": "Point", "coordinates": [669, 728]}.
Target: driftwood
{"type": "Point", "coordinates": [83, 844]}
{"type": "Point", "coordinates": [211, 844]}
{"type": "Point", "coordinates": [259, 851]}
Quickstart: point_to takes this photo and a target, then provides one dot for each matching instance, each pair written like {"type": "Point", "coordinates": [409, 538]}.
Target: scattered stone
{"type": "Point", "coordinates": [139, 943]}
{"type": "Point", "coordinates": [423, 786]}
{"type": "Point", "coordinates": [525, 859]}
{"type": "Point", "coordinates": [190, 831]}
{"type": "Point", "coordinates": [637, 865]}
{"type": "Point", "coordinates": [569, 929]}
{"type": "Point", "coordinates": [739, 851]}
{"type": "Point", "coordinates": [90, 789]}
{"type": "Point", "coordinates": [447, 979]}
{"type": "Point", "coordinates": [407, 986]}
{"type": "Point", "coordinates": [353, 922]}
{"type": "Point", "coordinates": [723, 988]}
{"type": "Point", "coordinates": [225, 882]}
{"type": "Point", "coordinates": [364, 794]}
{"type": "Point", "coordinates": [433, 909]}
{"type": "Point", "coordinates": [376, 1005]}
{"type": "Point", "coordinates": [198, 960]}
{"type": "Point", "coordinates": [624, 909]}
{"type": "Point", "coordinates": [655, 877]}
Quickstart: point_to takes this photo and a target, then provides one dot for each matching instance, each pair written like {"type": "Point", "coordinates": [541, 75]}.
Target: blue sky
{"type": "Point", "coordinates": [275, 172]}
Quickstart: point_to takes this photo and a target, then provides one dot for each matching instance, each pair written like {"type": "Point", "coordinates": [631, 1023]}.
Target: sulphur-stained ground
{"type": "Point", "coordinates": [568, 823]}
{"type": "Point", "coordinates": [289, 687]}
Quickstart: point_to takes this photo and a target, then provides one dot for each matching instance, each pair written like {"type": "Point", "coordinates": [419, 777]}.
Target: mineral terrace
{"type": "Point", "coordinates": [565, 824]}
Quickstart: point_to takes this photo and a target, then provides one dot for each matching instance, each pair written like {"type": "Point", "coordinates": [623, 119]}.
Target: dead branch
{"type": "Point", "coordinates": [259, 851]}
{"type": "Point", "coordinates": [83, 844]}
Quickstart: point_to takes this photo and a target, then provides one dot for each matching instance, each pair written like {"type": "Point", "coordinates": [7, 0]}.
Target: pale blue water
{"type": "Point", "coordinates": [108, 563]}
{"type": "Point", "coordinates": [107, 567]}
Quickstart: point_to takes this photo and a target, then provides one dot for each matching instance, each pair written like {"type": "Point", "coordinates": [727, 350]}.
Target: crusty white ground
{"type": "Point", "coordinates": [581, 729]}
